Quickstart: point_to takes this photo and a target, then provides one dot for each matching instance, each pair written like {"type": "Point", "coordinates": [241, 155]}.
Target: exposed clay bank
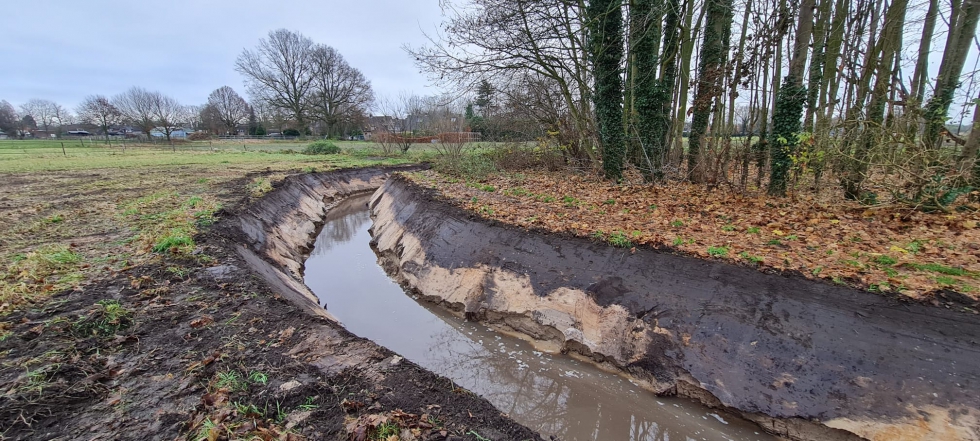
{"type": "Point", "coordinates": [804, 359]}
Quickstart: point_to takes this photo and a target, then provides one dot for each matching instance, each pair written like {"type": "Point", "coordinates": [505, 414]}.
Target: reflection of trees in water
{"type": "Point", "coordinates": [544, 401]}
{"type": "Point", "coordinates": [342, 224]}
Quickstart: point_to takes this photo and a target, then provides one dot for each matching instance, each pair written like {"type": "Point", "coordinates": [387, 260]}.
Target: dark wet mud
{"type": "Point", "coordinates": [553, 394]}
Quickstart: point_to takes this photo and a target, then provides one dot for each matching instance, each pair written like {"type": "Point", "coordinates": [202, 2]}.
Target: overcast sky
{"type": "Point", "coordinates": [63, 50]}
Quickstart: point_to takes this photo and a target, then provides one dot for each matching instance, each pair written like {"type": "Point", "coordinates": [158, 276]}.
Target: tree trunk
{"type": "Point", "coordinates": [605, 19]}
{"type": "Point", "coordinates": [830, 80]}
{"type": "Point", "coordinates": [816, 66]}
{"type": "Point", "coordinates": [789, 105]}
{"type": "Point", "coordinates": [921, 73]}
{"type": "Point", "coordinates": [963, 25]}
{"type": "Point", "coordinates": [688, 36]}
{"type": "Point", "coordinates": [711, 71]}
{"type": "Point", "coordinates": [654, 96]}
{"type": "Point", "coordinates": [890, 44]}
{"type": "Point", "coordinates": [971, 150]}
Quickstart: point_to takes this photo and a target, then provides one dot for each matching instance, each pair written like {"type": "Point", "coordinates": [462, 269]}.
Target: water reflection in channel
{"type": "Point", "coordinates": [553, 394]}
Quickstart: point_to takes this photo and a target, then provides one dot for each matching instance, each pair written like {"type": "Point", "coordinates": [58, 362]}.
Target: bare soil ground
{"type": "Point", "coordinates": [126, 314]}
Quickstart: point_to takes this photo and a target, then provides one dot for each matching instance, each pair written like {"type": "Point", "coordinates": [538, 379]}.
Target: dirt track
{"type": "Point", "coordinates": [213, 351]}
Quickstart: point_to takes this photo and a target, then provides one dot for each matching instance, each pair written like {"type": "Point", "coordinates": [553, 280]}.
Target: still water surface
{"type": "Point", "coordinates": [552, 394]}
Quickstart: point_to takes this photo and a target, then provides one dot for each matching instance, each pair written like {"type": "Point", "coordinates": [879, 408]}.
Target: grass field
{"type": "Point", "coordinates": [80, 202]}
{"type": "Point", "coordinates": [50, 155]}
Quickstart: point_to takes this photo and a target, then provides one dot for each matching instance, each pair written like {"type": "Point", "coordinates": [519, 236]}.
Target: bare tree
{"type": "Point", "coordinates": [393, 116]}
{"type": "Point", "coordinates": [280, 71]}
{"type": "Point", "coordinates": [406, 117]}
{"type": "Point", "coordinates": [513, 42]}
{"type": "Point", "coordinates": [230, 109]}
{"type": "Point", "coordinates": [136, 106]}
{"type": "Point", "coordinates": [167, 111]}
{"type": "Point", "coordinates": [97, 109]}
{"type": "Point", "coordinates": [339, 90]}
{"type": "Point", "coordinates": [43, 112]}
{"type": "Point", "coordinates": [191, 117]}
{"type": "Point", "coordinates": [63, 116]}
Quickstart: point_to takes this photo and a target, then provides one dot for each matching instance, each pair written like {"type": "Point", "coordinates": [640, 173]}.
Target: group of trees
{"type": "Point", "coordinates": [309, 84]}
{"type": "Point", "coordinates": [295, 85]}
{"type": "Point", "coordinates": [145, 110]}
{"type": "Point", "coordinates": [777, 89]}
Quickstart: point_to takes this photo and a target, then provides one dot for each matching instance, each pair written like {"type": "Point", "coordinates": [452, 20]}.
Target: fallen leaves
{"type": "Point", "coordinates": [834, 240]}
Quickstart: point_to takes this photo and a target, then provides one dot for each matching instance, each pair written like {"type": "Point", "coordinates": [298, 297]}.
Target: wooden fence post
{"type": "Point", "coordinates": [63, 150]}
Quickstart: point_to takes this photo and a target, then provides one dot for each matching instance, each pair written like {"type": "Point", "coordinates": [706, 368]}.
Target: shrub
{"type": "Point", "coordinates": [290, 132]}
{"type": "Point", "coordinates": [470, 167]}
{"type": "Point", "coordinates": [321, 148]}
{"type": "Point", "coordinates": [519, 156]}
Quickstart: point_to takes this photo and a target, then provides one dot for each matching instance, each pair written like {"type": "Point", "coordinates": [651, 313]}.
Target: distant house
{"type": "Point", "coordinates": [175, 133]}
{"type": "Point", "coordinates": [79, 133]}
{"type": "Point", "coordinates": [3, 135]}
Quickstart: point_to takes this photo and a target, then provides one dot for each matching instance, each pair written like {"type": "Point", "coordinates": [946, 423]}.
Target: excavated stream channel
{"type": "Point", "coordinates": [552, 394]}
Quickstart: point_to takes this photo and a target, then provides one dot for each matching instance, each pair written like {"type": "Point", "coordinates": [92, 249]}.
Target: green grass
{"type": "Point", "coordinates": [717, 251]}
{"type": "Point", "coordinates": [754, 259]}
{"type": "Point", "coordinates": [258, 378]}
{"type": "Point", "coordinates": [230, 380]}
{"type": "Point", "coordinates": [56, 265]}
{"type": "Point", "coordinates": [385, 430]}
{"type": "Point", "coordinates": [174, 243]}
{"type": "Point", "coordinates": [941, 269]}
{"type": "Point", "coordinates": [619, 239]}
{"type": "Point", "coordinates": [44, 155]}
{"type": "Point", "coordinates": [105, 320]}
{"type": "Point", "coordinates": [886, 260]}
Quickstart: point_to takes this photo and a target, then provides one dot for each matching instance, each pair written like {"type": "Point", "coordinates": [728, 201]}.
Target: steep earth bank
{"type": "Point", "coordinates": [804, 359]}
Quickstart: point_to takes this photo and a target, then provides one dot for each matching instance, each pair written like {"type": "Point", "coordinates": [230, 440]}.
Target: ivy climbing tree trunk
{"type": "Point", "coordinates": [663, 95]}
{"type": "Point", "coordinates": [711, 73]}
{"type": "Point", "coordinates": [971, 150]}
{"type": "Point", "coordinates": [789, 105]}
{"type": "Point", "coordinates": [605, 22]}
{"type": "Point", "coordinates": [963, 27]}
{"type": "Point", "coordinates": [653, 96]}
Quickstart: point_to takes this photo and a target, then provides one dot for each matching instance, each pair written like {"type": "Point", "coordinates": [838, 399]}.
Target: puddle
{"type": "Point", "coordinates": [552, 394]}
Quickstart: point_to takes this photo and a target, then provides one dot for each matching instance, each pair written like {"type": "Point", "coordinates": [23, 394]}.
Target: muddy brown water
{"type": "Point", "coordinates": [553, 394]}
